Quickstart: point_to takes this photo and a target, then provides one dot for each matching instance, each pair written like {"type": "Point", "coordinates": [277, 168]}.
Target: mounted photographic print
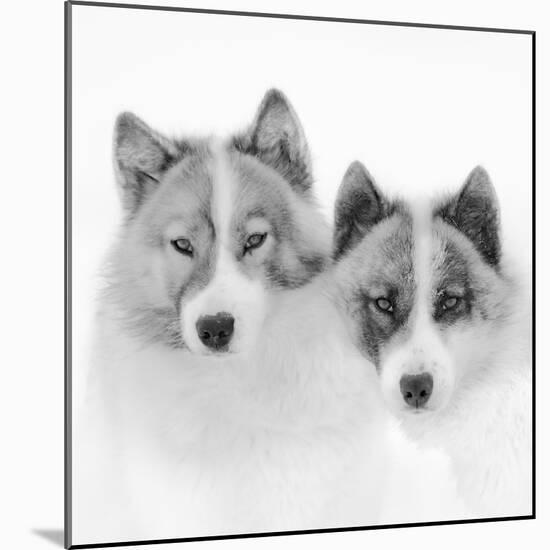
{"type": "Point", "coordinates": [299, 274]}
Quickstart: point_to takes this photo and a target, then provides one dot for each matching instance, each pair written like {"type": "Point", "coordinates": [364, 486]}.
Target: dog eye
{"type": "Point", "coordinates": [183, 246]}
{"type": "Point", "coordinates": [450, 302]}
{"type": "Point", "coordinates": [385, 305]}
{"type": "Point", "coordinates": [254, 241]}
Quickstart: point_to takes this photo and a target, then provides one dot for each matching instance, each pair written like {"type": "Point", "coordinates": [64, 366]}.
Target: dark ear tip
{"type": "Point", "coordinates": [274, 97]}
{"type": "Point", "coordinates": [126, 118]}
{"type": "Point", "coordinates": [358, 175]}
{"type": "Point", "coordinates": [480, 180]}
{"type": "Point", "coordinates": [357, 168]}
{"type": "Point", "coordinates": [275, 93]}
{"type": "Point", "coordinates": [125, 123]}
{"type": "Point", "coordinates": [479, 174]}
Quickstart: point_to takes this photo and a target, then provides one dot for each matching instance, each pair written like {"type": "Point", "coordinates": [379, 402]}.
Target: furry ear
{"type": "Point", "coordinates": [474, 210]}
{"type": "Point", "coordinates": [276, 137]}
{"type": "Point", "coordinates": [141, 156]}
{"type": "Point", "coordinates": [359, 206]}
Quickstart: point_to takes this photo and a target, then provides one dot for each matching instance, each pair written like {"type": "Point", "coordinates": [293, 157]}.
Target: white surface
{"type": "Point", "coordinates": [32, 228]}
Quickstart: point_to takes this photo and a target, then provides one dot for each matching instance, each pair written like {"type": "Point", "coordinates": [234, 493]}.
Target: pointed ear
{"type": "Point", "coordinates": [359, 206]}
{"type": "Point", "coordinates": [475, 212]}
{"type": "Point", "coordinates": [141, 156]}
{"type": "Point", "coordinates": [276, 137]}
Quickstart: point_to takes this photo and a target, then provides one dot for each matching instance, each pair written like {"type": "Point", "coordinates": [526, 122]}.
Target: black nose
{"type": "Point", "coordinates": [215, 331]}
{"type": "Point", "coordinates": [416, 388]}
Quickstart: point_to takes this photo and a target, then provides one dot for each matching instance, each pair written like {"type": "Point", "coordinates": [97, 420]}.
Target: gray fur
{"type": "Point", "coordinates": [391, 277]}
{"type": "Point", "coordinates": [359, 207]}
{"type": "Point", "coordinates": [380, 260]}
{"type": "Point", "coordinates": [277, 139]}
{"type": "Point", "coordinates": [452, 277]}
{"type": "Point", "coordinates": [380, 265]}
{"type": "Point", "coordinates": [264, 194]}
{"type": "Point", "coordinates": [184, 195]}
{"type": "Point", "coordinates": [141, 157]}
{"type": "Point", "coordinates": [457, 268]}
{"type": "Point", "coordinates": [168, 182]}
{"type": "Point", "coordinates": [474, 211]}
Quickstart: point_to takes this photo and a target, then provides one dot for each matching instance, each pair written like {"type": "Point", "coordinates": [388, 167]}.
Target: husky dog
{"type": "Point", "coordinates": [432, 303]}
{"type": "Point", "coordinates": [226, 395]}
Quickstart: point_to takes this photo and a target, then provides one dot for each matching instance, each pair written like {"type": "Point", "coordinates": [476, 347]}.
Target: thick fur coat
{"type": "Point", "coordinates": [436, 306]}
{"type": "Point", "coordinates": [225, 394]}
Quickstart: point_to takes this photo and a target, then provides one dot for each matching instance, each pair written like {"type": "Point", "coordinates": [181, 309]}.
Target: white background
{"type": "Point", "coordinates": [32, 229]}
{"type": "Point", "coordinates": [420, 107]}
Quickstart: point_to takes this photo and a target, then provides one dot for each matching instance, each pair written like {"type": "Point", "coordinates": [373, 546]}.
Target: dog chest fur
{"type": "Point", "coordinates": [278, 441]}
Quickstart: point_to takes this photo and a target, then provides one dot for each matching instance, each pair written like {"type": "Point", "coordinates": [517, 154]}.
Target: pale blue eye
{"type": "Point", "coordinates": [183, 246]}
{"type": "Point", "coordinates": [384, 305]}
{"type": "Point", "coordinates": [450, 302]}
{"type": "Point", "coordinates": [254, 241]}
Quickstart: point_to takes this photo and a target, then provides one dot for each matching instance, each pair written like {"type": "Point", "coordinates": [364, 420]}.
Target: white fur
{"type": "Point", "coordinates": [424, 350]}
{"type": "Point", "coordinates": [486, 431]}
{"type": "Point", "coordinates": [292, 437]}
{"type": "Point", "coordinates": [230, 290]}
{"type": "Point", "coordinates": [480, 415]}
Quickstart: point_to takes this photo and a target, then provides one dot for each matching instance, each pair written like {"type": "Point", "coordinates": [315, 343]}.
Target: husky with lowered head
{"type": "Point", "coordinates": [432, 302]}
{"type": "Point", "coordinates": [226, 397]}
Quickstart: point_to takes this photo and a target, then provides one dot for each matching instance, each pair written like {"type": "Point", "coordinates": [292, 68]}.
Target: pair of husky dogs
{"type": "Point", "coordinates": [249, 366]}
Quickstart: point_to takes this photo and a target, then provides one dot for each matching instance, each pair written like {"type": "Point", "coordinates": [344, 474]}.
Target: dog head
{"type": "Point", "coordinates": [420, 286]}
{"type": "Point", "coordinates": [212, 229]}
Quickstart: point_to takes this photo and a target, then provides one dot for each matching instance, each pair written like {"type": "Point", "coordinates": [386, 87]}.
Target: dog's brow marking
{"type": "Point", "coordinates": [224, 191]}
{"type": "Point", "coordinates": [223, 205]}
{"type": "Point", "coordinates": [422, 239]}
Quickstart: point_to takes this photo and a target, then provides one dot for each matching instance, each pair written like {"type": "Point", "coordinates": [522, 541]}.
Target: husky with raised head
{"type": "Point", "coordinates": [226, 396]}
{"type": "Point", "coordinates": [433, 304]}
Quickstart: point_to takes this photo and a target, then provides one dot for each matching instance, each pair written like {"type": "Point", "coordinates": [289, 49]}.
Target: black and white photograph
{"type": "Point", "coordinates": [300, 257]}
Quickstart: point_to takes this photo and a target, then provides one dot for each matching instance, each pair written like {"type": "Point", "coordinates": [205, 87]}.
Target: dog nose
{"type": "Point", "coordinates": [416, 388]}
{"type": "Point", "coordinates": [215, 331]}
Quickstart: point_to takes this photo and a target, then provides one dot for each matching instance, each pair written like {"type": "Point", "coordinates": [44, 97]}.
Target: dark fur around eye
{"type": "Point", "coordinates": [378, 326]}
{"type": "Point", "coordinates": [449, 308]}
